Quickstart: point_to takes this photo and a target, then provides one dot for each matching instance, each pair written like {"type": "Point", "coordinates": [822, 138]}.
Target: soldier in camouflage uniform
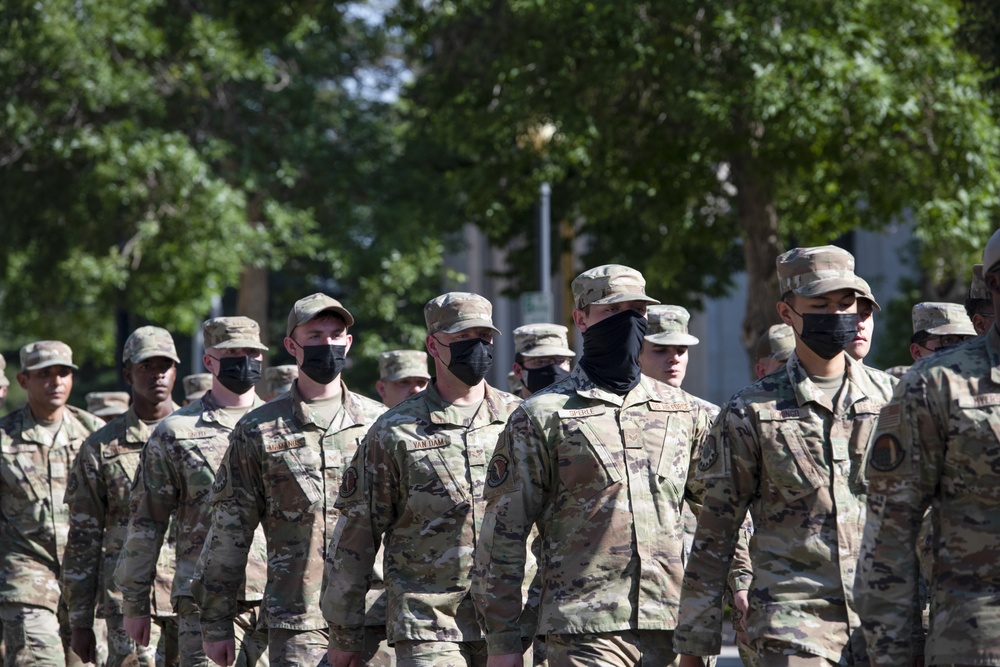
{"type": "Point", "coordinates": [601, 462]}
{"type": "Point", "coordinates": [278, 380]}
{"type": "Point", "coordinates": [774, 347]}
{"type": "Point", "coordinates": [790, 448]}
{"type": "Point", "coordinates": [37, 446]}
{"type": "Point", "coordinates": [937, 326]}
{"type": "Point", "coordinates": [417, 482]}
{"type": "Point", "coordinates": [541, 356]}
{"type": "Point", "coordinates": [978, 305]}
{"type": "Point", "coordinates": [281, 471]}
{"type": "Point", "coordinates": [178, 466]}
{"type": "Point", "coordinates": [402, 373]}
{"type": "Point", "coordinates": [98, 499]}
{"type": "Point", "coordinates": [196, 386]}
{"type": "Point", "coordinates": [107, 404]}
{"type": "Point", "coordinates": [937, 447]}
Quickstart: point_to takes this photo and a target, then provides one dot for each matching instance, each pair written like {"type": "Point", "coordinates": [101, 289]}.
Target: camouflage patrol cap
{"type": "Point", "coordinates": [310, 306]}
{"type": "Point", "coordinates": [514, 384]}
{"type": "Point", "coordinates": [458, 311]}
{"type": "Point", "coordinates": [196, 385]}
{"type": "Point", "coordinates": [4, 382]}
{"type": "Point", "coordinates": [866, 292]}
{"type": "Point", "coordinates": [991, 253]}
{"type": "Point", "coordinates": [668, 325]}
{"type": "Point", "coordinates": [542, 340]}
{"type": "Point", "coordinates": [610, 283]}
{"type": "Point", "coordinates": [45, 353]}
{"type": "Point", "coordinates": [978, 288]}
{"type": "Point", "coordinates": [816, 271]}
{"type": "Point", "coordinates": [399, 364]}
{"type": "Point", "coordinates": [941, 319]}
{"type": "Point", "coordinates": [278, 379]}
{"type": "Point", "coordinates": [107, 403]}
{"type": "Point", "coordinates": [777, 342]}
{"type": "Point", "coordinates": [232, 332]}
{"type": "Point", "coordinates": [148, 342]}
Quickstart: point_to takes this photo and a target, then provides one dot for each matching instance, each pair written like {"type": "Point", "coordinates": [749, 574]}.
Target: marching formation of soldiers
{"type": "Point", "coordinates": [596, 515]}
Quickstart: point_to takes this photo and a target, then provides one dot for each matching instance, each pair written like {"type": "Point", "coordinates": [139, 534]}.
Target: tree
{"type": "Point", "coordinates": [683, 131]}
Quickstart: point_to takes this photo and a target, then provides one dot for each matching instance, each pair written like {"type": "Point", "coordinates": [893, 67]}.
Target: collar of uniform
{"type": "Point", "coordinates": [858, 385]}
{"type": "Point", "coordinates": [212, 412]}
{"type": "Point", "coordinates": [438, 410]}
{"type": "Point", "coordinates": [588, 389]}
{"type": "Point", "coordinates": [350, 415]}
{"type": "Point", "coordinates": [136, 430]}
{"type": "Point", "coordinates": [993, 350]}
{"type": "Point", "coordinates": [32, 431]}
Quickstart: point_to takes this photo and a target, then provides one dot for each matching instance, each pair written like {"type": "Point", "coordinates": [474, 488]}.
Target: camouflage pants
{"type": "Point", "coordinates": [779, 655]}
{"type": "Point", "coordinates": [167, 654]}
{"type": "Point", "coordinates": [123, 652]}
{"type": "Point", "coordinates": [249, 647]}
{"type": "Point", "coordinates": [377, 652]}
{"type": "Point", "coordinates": [295, 648]}
{"type": "Point", "coordinates": [31, 636]}
{"type": "Point", "coordinates": [440, 654]}
{"type": "Point", "coordinates": [628, 648]}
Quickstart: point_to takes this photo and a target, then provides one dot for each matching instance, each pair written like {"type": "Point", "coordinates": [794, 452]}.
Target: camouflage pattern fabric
{"type": "Point", "coordinates": [282, 471]}
{"type": "Point", "coordinates": [34, 521]}
{"type": "Point", "coordinates": [604, 478]}
{"type": "Point", "coordinates": [177, 470]}
{"type": "Point", "coordinates": [417, 482]}
{"type": "Point", "coordinates": [98, 498]}
{"type": "Point", "coordinates": [783, 450]}
{"type": "Point", "coordinates": [937, 447]}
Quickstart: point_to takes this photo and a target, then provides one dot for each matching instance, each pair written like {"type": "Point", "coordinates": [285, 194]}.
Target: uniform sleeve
{"type": "Point", "coordinates": [903, 470]}
{"type": "Point", "coordinates": [238, 503]}
{"type": "Point", "coordinates": [367, 500]}
{"type": "Point", "coordinates": [516, 488]}
{"type": "Point", "coordinates": [728, 470]}
{"type": "Point", "coordinates": [86, 495]}
{"type": "Point", "coordinates": [154, 498]}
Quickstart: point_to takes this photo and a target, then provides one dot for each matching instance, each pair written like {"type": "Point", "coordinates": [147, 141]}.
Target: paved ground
{"type": "Point", "coordinates": [729, 658]}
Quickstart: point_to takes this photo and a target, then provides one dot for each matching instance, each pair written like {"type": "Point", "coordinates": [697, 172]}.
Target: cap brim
{"type": "Point", "coordinates": [470, 324]}
{"type": "Point", "coordinates": [826, 286]}
{"type": "Point", "coordinates": [47, 364]}
{"type": "Point", "coordinates": [782, 356]}
{"type": "Point", "coordinates": [625, 296]}
{"type": "Point", "coordinates": [196, 395]}
{"type": "Point", "coordinates": [951, 330]}
{"type": "Point", "coordinates": [343, 312]}
{"type": "Point", "coordinates": [869, 297]}
{"type": "Point", "coordinates": [249, 344]}
{"type": "Point", "coordinates": [109, 412]}
{"type": "Point", "coordinates": [672, 338]}
{"type": "Point", "coordinates": [548, 351]}
{"type": "Point", "coordinates": [396, 377]}
{"type": "Point", "coordinates": [152, 355]}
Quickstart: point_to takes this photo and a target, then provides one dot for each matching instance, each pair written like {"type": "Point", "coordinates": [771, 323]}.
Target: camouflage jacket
{"type": "Point", "coordinates": [938, 446]}
{"type": "Point", "coordinates": [282, 471]}
{"type": "Point", "coordinates": [605, 478]}
{"type": "Point", "coordinates": [177, 469]}
{"type": "Point", "coordinates": [783, 450]}
{"type": "Point", "coordinates": [34, 520]}
{"type": "Point", "coordinates": [418, 481]}
{"type": "Point", "coordinates": [98, 498]}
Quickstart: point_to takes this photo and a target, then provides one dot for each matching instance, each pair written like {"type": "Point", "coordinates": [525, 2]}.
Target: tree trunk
{"type": "Point", "coordinates": [758, 222]}
{"type": "Point", "coordinates": [253, 298]}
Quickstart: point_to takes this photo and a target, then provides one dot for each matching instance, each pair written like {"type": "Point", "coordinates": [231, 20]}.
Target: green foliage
{"type": "Point", "coordinates": [675, 124]}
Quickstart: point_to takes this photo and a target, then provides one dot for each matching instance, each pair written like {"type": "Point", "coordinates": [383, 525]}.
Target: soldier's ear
{"type": "Point", "coordinates": [992, 280]}
{"type": "Point", "coordinates": [22, 379]}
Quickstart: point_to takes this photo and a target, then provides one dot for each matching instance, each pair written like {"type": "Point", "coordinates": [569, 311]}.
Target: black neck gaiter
{"type": "Point", "coordinates": [611, 351]}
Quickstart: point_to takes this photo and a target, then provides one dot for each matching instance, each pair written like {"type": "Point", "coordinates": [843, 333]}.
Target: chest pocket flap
{"type": "Point", "coordinates": [586, 465]}
{"type": "Point", "coordinates": [19, 471]}
{"type": "Point", "coordinates": [671, 425]}
{"type": "Point", "coordinates": [434, 474]}
{"type": "Point", "coordinates": [304, 465]}
{"type": "Point", "coordinates": [786, 455]}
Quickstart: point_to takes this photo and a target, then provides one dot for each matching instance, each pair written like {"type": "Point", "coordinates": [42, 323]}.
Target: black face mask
{"type": "Point", "coordinates": [536, 379]}
{"type": "Point", "coordinates": [239, 374]}
{"type": "Point", "coordinates": [471, 360]}
{"type": "Point", "coordinates": [828, 334]}
{"type": "Point", "coordinates": [323, 363]}
{"type": "Point", "coordinates": [611, 351]}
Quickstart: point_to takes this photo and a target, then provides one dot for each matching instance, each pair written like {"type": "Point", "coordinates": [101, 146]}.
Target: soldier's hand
{"type": "Point", "coordinates": [338, 658]}
{"type": "Point", "coordinates": [221, 653]}
{"type": "Point", "coordinates": [84, 644]}
{"type": "Point", "coordinates": [691, 661]}
{"type": "Point", "coordinates": [741, 600]}
{"type": "Point", "coordinates": [505, 660]}
{"type": "Point", "coordinates": [137, 627]}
